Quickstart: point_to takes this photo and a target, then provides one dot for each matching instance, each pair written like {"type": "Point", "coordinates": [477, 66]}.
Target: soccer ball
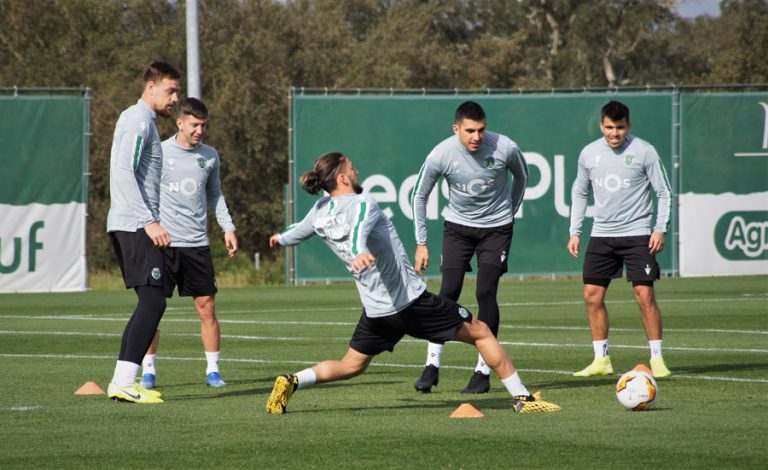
{"type": "Point", "coordinates": [636, 390]}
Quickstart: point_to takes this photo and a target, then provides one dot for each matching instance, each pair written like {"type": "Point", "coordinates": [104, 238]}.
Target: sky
{"type": "Point", "coordinates": [694, 8]}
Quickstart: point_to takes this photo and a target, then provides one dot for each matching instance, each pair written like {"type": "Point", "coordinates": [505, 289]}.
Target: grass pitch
{"type": "Point", "coordinates": [713, 412]}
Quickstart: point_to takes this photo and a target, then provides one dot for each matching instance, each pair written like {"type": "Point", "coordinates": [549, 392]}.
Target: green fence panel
{"type": "Point", "coordinates": [388, 138]}
{"type": "Point", "coordinates": [42, 149]}
{"type": "Point", "coordinates": [724, 184]}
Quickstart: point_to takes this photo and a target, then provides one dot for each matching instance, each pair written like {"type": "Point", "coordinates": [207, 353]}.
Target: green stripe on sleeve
{"type": "Point", "coordinates": [356, 230]}
{"type": "Point", "coordinates": [290, 227]}
{"type": "Point", "coordinates": [137, 153]}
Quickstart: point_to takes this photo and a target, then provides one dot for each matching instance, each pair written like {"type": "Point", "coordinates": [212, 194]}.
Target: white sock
{"type": "Point", "coordinates": [213, 362]}
{"type": "Point", "coordinates": [306, 377]}
{"type": "Point", "coordinates": [482, 366]}
{"type": "Point", "coordinates": [601, 348]}
{"type": "Point", "coordinates": [125, 374]}
{"type": "Point", "coordinates": [655, 345]}
{"type": "Point", "coordinates": [514, 385]}
{"type": "Point", "coordinates": [434, 351]}
{"type": "Point", "coordinates": [148, 364]}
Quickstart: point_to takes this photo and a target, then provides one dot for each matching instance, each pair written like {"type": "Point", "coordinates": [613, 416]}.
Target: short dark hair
{"type": "Point", "coordinates": [157, 70]}
{"type": "Point", "coordinates": [469, 110]}
{"type": "Point", "coordinates": [193, 107]}
{"type": "Point", "coordinates": [323, 174]}
{"type": "Point", "coordinates": [615, 111]}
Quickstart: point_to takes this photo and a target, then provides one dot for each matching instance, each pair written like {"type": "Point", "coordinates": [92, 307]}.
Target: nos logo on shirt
{"type": "Point", "coordinates": [611, 182]}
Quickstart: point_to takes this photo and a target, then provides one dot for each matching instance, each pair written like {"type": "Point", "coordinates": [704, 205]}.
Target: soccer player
{"type": "Point", "coordinates": [395, 299]}
{"type": "Point", "coordinates": [482, 202]}
{"type": "Point", "coordinates": [190, 184]}
{"type": "Point", "coordinates": [133, 222]}
{"type": "Point", "coordinates": [619, 169]}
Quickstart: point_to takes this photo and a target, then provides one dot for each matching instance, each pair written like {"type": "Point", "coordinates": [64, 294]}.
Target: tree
{"type": "Point", "coordinates": [252, 51]}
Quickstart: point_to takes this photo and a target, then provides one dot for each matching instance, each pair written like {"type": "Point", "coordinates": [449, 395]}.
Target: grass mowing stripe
{"type": "Point", "coordinates": [338, 323]}
{"type": "Point", "coordinates": [373, 364]}
{"type": "Point", "coordinates": [184, 310]}
{"type": "Point", "coordinates": [406, 340]}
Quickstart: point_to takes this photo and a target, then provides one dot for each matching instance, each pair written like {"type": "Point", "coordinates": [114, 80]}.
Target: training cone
{"type": "Point", "coordinates": [90, 388]}
{"type": "Point", "coordinates": [466, 410]}
{"type": "Point", "coordinates": [643, 368]}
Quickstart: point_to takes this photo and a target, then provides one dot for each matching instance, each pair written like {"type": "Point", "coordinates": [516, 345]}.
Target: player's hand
{"type": "Point", "coordinates": [274, 240]}
{"type": "Point", "coordinates": [362, 261]}
{"type": "Point", "coordinates": [421, 259]}
{"type": "Point", "coordinates": [230, 241]}
{"type": "Point", "coordinates": [573, 245]}
{"type": "Point", "coordinates": [158, 234]}
{"type": "Point", "coordinates": [656, 244]}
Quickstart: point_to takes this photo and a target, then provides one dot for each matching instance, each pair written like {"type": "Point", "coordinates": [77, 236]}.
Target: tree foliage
{"type": "Point", "coordinates": [252, 51]}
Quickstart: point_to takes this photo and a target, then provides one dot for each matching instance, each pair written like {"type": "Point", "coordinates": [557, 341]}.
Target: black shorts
{"type": "Point", "coordinates": [141, 262]}
{"type": "Point", "coordinates": [191, 269]}
{"type": "Point", "coordinates": [461, 242]}
{"type": "Point", "coordinates": [429, 317]}
{"type": "Point", "coordinates": [606, 257]}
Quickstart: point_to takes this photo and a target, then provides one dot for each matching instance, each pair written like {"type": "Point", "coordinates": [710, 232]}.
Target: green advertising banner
{"type": "Point", "coordinates": [42, 149]}
{"type": "Point", "coordinates": [388, 138]}
{"type": "Point", "coordinates": [43, 192]}
{"type": "Point", "coordinates": [724, 184]}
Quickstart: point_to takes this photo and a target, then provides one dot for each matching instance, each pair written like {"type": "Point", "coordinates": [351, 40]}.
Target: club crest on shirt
{"type": "Point", "coordinates": [489, 162]}
{"type": "Point", "coordinates": [201, 162]}
{"type": "Point", "coordinates": [463, 312]}
{"type": "Point", "coordinates": [628, 159]}
{"type": "Point", "coordinates": [156, 274]}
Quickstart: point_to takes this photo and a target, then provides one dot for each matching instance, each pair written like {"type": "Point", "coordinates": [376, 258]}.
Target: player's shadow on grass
{"type": "Point", "coordinates": [396, 404]}
{"type": "Point", "coordinates": [762, 366]}
{"type": "Point", "coordinates": [223, 392]}
{"type": "Point", "coordinates": [501, 401]}
{"type": "Point", "coordinates": [575, 382]}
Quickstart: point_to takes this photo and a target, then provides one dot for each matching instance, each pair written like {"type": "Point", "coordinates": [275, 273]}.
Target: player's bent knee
{"type": "Point", "coordinates": [478, 329]}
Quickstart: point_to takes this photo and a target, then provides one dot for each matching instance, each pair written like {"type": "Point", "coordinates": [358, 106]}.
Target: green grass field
{"type": "Point", "coordinates": [713, 413]}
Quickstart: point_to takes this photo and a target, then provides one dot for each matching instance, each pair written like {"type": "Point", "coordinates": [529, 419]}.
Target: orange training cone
{"type": "Point", "coordinates": [643, 368]}
{"type": "Point", "coordinates": [466, 410]}
{"type": "Point", "coordinates": [90, 388]}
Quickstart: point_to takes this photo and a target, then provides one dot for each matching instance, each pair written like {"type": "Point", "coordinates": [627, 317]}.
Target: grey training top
{"type": "Point", "coordinates": [134, 170]}
{"type": "Point", "coordinates": [352, 224]}
{"type": "Point", "coordinates": [190, 184]}
{"type": "Point", "coordinates": [620, 180]}
{"type": "Point", "coordinates": [480, 191]}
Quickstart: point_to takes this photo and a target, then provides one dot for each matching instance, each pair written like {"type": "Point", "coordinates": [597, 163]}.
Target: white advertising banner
{"type": "Point", "coordinates": [723, 234]}
{"type": "Point", "coordinates": [42, 248]}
